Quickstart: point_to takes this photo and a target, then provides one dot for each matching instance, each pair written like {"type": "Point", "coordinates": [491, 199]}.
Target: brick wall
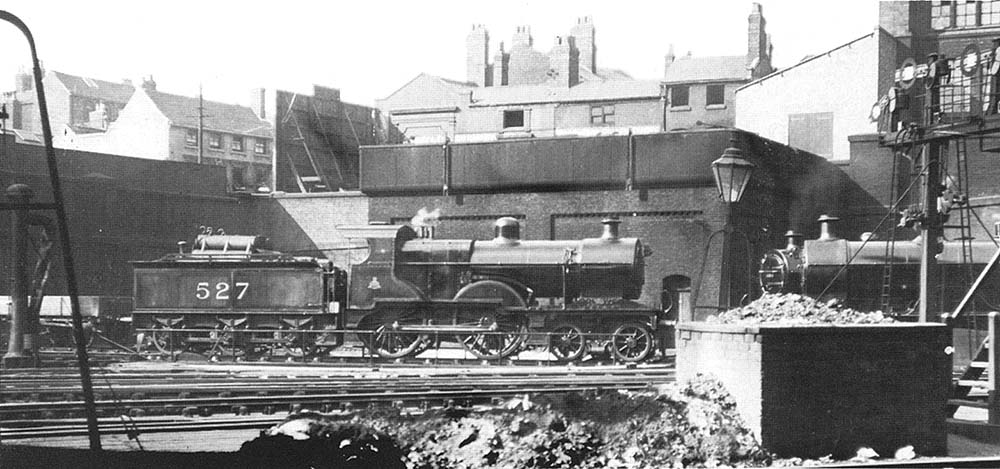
{"type": "Point", "coordinates": [675, 223]}
{"type": "Point", "coordinates": [816, 390]}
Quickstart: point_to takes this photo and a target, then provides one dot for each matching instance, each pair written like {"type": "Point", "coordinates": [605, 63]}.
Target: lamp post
{"type": "Point", "coordinates": [732, 174]}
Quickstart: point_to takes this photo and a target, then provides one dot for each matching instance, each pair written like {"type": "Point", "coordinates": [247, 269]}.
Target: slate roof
{"type": "Point", "coordinates": [182, 111]}
{"type": "Point", "coordinates": [716, 68]}
{"type": "Point", "coordinates": [584, 92]}
{"type": "Point", "coordinates": [97, 89]}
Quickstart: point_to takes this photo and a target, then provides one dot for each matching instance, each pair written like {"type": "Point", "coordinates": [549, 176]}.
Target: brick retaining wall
{"type": "Point", "coordinates": [810, 391]}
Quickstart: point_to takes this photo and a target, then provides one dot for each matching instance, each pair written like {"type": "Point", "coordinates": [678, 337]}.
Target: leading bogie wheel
{"type": "Point", "coordinates": [632, 342]}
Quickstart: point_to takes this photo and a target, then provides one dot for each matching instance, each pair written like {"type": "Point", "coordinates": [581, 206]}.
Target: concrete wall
{"type": "Point", "coordinates": [843, 81]}
{"type": "Point", "coordinates": [810, 391]}
{"type": "Point", "coordinates": [319, 215]}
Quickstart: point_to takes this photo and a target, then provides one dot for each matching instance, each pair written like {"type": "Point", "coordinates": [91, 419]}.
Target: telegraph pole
{"type": "Point", "coordinates": [201, 124]}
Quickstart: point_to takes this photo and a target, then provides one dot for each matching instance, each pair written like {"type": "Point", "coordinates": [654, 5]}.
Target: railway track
{"type": "Point", "coordinates": [53, 394]}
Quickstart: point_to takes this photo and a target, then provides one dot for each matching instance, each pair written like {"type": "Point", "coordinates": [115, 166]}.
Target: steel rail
{"type": "Point", "coordinates": [420, 395]}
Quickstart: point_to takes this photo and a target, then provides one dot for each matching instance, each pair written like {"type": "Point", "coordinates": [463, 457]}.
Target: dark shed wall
{"type": "Point", "coordinates": [123, 209]}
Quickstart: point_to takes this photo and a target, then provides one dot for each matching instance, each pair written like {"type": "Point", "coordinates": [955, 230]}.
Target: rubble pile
{"type": "Point", "coordinates": [791, 310]}
{"type": "Point", "coordinates": [691, 425]}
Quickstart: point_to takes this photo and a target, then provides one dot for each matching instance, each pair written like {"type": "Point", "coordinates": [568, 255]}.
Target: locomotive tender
{"type": "Point", "coordinates": [401, 295]}
{"type": "Point", "coordinates": [854, 271]}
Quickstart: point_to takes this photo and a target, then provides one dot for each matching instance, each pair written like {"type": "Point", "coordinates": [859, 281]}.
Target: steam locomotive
{"type": "Point", "coordinates": [854, 272]}
{"type": "Point", "coordinates": [401, 295]}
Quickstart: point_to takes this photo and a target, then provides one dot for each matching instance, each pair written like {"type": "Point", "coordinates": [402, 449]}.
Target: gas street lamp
{"type": "Point", "coordinates": [732, 174]}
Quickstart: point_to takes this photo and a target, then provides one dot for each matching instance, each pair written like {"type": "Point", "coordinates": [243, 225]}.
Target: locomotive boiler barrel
{"type": "Point", "coordinates": [595, 267]}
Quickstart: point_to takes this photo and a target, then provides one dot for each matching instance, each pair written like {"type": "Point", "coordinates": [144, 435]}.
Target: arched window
{"type": "Point", "coordinates": [675, 298]}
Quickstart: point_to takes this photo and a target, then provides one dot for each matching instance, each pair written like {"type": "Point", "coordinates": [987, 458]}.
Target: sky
{"type": "Point", "coordinates": [369, 49]}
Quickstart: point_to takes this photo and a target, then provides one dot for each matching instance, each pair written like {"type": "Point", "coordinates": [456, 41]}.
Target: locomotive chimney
{"type": "Point", "coordinates": [610, 229]}
{"type": "Point", "coordinates": [507, 230]}
{"type": "Point", "coordinates": [794, 240]}
{"type": "Point", "coordinates": [825, 228]}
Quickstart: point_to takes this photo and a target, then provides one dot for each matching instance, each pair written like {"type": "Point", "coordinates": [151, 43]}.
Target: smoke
{"type": "Point", "coordinates": [423, 218]}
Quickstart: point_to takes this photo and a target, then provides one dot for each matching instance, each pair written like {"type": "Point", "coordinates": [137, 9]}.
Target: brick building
{"type": "Point", "coordinates": [523, 92]}
{"type": "Point", "coordinates": [824, 104]}
{"type": "Point", "coordinates": [820, 101]}
{"type": "Point", "coordinates": [76, 105]}
{"type": "Point", "coordinates": [660, 186]}
{"type": "Point", "coordinates": [164, 126]}
{"type": "Point", "coordinates": [701, 90]}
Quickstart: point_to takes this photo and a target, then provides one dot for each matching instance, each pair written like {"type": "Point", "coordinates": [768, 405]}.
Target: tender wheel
{"type": "Point", "coordinates": [567, 342]}
{"type": "Point", "coordinates": [632, 342]}
{"type": "Point", "coordinates": [388, 343]}
{"type": "Point", "coordinates": [167, 342]}
{"type": "Point", "coordinates": [298, 343]}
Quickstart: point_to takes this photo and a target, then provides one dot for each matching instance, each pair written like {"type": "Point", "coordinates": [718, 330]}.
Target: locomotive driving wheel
{"type": "Point", "coordinates": [503, 338]}
{"type": "Point", "coordinates": [506, 331]}
{"type": "Point", "coordinates": [631, 342]}
{"type": "Point", "coordinates": [389, 342]}
{"type": "Point", "coordinates": [567, 342]}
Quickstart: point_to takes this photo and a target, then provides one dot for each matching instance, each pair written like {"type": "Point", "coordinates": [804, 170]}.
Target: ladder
{"type": "Point", "coordinates": [890, 244]}
{"type": "Point", "coordinates": [317, 177]}
{"type": "Point", "coordinates": [985, 360]}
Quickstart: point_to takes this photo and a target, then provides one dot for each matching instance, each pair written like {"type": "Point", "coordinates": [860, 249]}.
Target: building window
{"type": "Point", "coordinates": [990, 12]}
{"type": "Point", "coordinates": [602, 115]}
{"type": "Point", "coordinates": [513, 119]}
{"type": "Point", "coordinates": [260, 146]}
{"type": "Point", "coordinates": [214, 140]}
{"type": "Point", "coordinates": [965, 14]}
{"type": "Point", "coordinates": [960, 14]}
{"type": "Point", "coordinates": [191, 138]}
{"type": "Point", "coordinates": [679, 96]}
{"type": "Point", "coordinates": [941, 14]}
{"type": "Point", "coordinates": [715, 95]}
{"type": "Point", "coordinates": [236, 144]}
{"type": "Point", "coordinates": [812, 132]}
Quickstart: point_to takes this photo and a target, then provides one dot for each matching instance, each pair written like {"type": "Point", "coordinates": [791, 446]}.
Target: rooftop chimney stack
{"type": "Point", "coordinates": [758, 61]}
{"type": "Point", "coordinates": [522, 37]}
{"type": "Point", "coordinates": [566, 61]}
{"type": "Point", "coordinates": [477, 45]}
{"type": "Point", "coordinates": [583, 37]}
{"type": "Point", "coordinates": [149, 84]}
{"type": "Point", "coordinates": [501, 62]}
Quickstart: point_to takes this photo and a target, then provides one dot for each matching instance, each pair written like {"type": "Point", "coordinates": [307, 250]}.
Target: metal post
{"type": "Point", "coordinates": [22, 351]}
{"type": "Point", "coordinates": [931, 231]}
{"type": "Point", "coordinates": [994, 363]}
{"type": "Point", "coordinates": [725, 290]}
{"type": "Point", "coordinates": [81, 343]}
